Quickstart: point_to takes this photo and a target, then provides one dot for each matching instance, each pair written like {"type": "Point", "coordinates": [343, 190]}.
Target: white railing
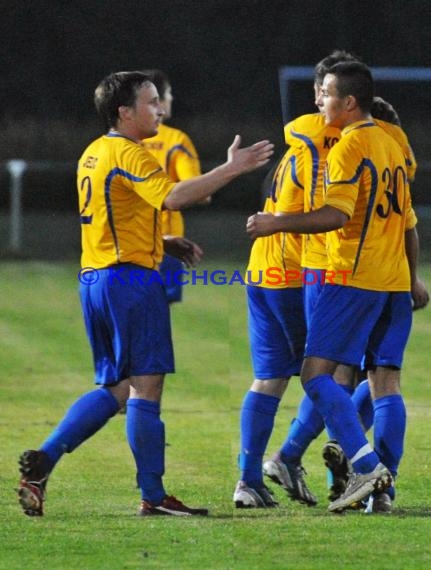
{"type": "Point", "coordinates": [16, 168]}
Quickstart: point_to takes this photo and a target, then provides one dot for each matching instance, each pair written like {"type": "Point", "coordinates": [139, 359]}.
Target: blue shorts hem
{"type": "Point", "coordinates": [341, 359]}
{"type": "Point", "coordinates": [151, 372]}
{"type": "Point", "coordinates": [102, 382]}
{"type": "Point", "coordinates": [384, 363]}
{"type": "Point", "coordinates": [274, 376]}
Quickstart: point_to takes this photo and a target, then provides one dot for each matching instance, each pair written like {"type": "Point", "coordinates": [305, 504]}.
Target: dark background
{"type": "Point", "coordinates": [222, 56]}
{"type": "Point", "coordinates": [223, 59]}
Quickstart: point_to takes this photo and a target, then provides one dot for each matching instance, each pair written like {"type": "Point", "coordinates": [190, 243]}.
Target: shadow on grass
{"type": "Point", "coordinates": [405, 512]}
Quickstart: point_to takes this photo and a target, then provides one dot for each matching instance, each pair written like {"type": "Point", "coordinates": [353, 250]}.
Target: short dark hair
{"type": "Point", "coordinates": [381, 109]}
{"type": "Point", "coordinates": [354, 78]}
{"type": "Point", "coordinates": [115, 90]}
{"type": "Point", "coordinates": [160, 80]}
{"type": "Point", "coordinates": [337, 56]}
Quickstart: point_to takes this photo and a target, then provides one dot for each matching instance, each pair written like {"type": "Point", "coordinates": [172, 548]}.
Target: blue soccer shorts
{"type": "Point", "coordinates": [127, 319]}
{"type": "Point", "coordinates": [349, 323]}
{"type": "Point", "coordinates": [313, 281]}
{"type": "Point", "coordinates": [171, 271]}
{"type": "Point", "coordinates": [276, 326]}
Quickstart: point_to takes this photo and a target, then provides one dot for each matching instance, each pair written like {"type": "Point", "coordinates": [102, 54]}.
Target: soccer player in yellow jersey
{"type": "Point", "coordinates": [312, 139]}
{"type": "Point", "coordinates": [315, 138]}
{"type": "Point", "coordinates": [122, 192]}
{"type": "Point", "coordinates": [276, 328]}
{"type": "Point", "coordinates": [367, 310]}
{"type": "Point", "coordinates": [176, 153]}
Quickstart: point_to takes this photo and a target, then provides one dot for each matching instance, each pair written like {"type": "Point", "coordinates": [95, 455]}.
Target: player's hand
{"type": "Point", "coordinates": [261, 224]}
{"type": "Point", "coordinates": [420, 295]}
{"type": "Point", "coordinates": [249, 158]}
{"type": "Point", "coordinates": [182, 248]}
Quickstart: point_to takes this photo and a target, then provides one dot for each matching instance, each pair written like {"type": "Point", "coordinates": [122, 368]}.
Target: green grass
{"type": "Point", "coordinates": [90, 521]}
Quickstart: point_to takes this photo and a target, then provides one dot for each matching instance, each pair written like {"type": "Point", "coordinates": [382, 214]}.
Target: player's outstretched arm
{"type": "Point", "coordinates": [239, 161]}
{"type": "Point", "coordinates": [323, 220]}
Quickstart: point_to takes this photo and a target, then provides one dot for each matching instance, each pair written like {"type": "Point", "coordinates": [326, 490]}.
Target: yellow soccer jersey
{"type": "Point", "coordinates": [174, 150]}
{"type": "Point", "coordinates": [366, 178]}
{"type": "Point", "coordinates": [121, 191]}
{"type": "Point", "coordinates": [275, 261]}
{"type": "Point", "coordinates": [316, 139]}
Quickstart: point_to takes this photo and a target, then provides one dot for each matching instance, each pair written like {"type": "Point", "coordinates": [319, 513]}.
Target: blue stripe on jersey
{"type": "Point", "coordinates": [274, 182]}
{"type": "Point", "coordinates": [315, 162]}
{"type": "Point", "coordinates": [179, 147]}
{"type": "Point", "coordinates": [365, 163]}
{"type": "Point", "coordinates": [292, 163]}
{"type": "Point", "coordinates": [111, 175]}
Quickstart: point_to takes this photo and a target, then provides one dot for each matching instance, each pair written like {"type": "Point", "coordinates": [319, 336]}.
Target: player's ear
{"type": "Point", "coordinates": [350, 102]}
{"type": "Point", "coordinates": [123, 112]}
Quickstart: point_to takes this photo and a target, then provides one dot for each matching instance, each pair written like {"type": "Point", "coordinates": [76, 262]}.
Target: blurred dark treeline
{"type": "Point", "coordinates": [222, 56]}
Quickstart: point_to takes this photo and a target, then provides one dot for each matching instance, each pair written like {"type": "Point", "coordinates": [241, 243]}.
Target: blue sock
{"type": "Point", "coordinates": [363, 403]}
{"type": "Point", "coordinates": [257, 420]}
{"type": "Point", "coordinates": [83, 419]}
{"type": "Point", "coordinates": [389, 430]}
{"type": "Point", "coordinates": [348, 390]}
{"type": "Point", "coordinates": [146, 437]}
{"type": "Point", "coordinates": [340, 416]}
{"type": "Point", "coordinates": [304, 428]}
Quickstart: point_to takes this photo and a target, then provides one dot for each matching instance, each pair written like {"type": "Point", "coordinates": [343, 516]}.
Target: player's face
{"type": "Point", "coordinates": [147, 112]}
{"type": "Point", "coordinates": [166, 102]}
{"type": "Point", "coordinates": [317, 90]}
{"type": "Point", "coordinates": [332, 106]}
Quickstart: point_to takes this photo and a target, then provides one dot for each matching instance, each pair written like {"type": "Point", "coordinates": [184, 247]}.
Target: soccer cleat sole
{"type": "Point", "coordinates": [332, 457]}
{"type": "Point", "coordinates": [30, 501]}
{"type": "Point", "coordinates": [379, 485]}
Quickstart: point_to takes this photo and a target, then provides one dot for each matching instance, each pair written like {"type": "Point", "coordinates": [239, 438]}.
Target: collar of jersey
{"type": "Point", "coordinates": [116, 134]}
{"type": "Point", "coordinates": [357, 125]}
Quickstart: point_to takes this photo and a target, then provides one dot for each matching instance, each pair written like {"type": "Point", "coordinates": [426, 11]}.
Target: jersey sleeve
{"type": "Point", "coordinates": [183, 159]}
{"type": "Point", "coordinates": [146, 177]}
{"type": "Point", "coordinates": [341, 178]}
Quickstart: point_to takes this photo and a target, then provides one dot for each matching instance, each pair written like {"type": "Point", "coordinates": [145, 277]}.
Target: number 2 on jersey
{"type": "Point", "coordinates": [85, 216]}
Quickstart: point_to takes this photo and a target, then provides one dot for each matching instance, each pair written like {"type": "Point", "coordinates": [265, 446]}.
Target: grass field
{"type": "Point", "coordinates": [90, 520]}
